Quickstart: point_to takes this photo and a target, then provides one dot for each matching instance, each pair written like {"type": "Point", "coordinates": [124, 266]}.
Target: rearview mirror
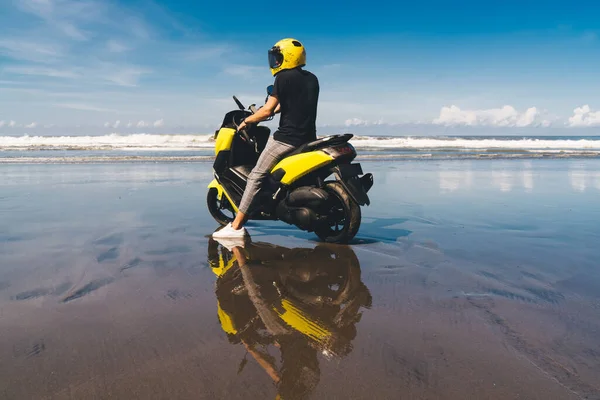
{"type": "Point", "coordinates": [269, 92]}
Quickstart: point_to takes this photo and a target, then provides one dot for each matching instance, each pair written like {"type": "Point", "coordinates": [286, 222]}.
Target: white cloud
{"type": "Point", "coordinates": [63, 16]}
{"type": "Point", "coordinates": [127, 76]}
{"type": "Point", "coordinates": [12, 124]}
{"type": "Point", "coordinates": [159, 123]}
{"type": "Point", "coordinates": [205, 53]}
{"type": "Point", "coordinates": [82, 106]}
{"type": "Point", "coordinates": [361, 122]}
{"type": "Point", "coordinates": [506, 116]}
{"type": "Point", "coordinates": [22, 49]}
{"type": "Point", "coordinates": [141, 124]}
{"type": "Point", "coordinates": [122, 75]}
{"type": "Point", "coordinates": [115, 46]}
{"type": "Point", "coordinates": [31, 125]}
{"type": "Point", "coordinates": [41, 8]}
{"type": "Point", "coordinates": [584, 116]}
{"type": "Point", "coordinates": [589, 37]}
{"type": "Point", "coordinates": [129, 124]}
{"type": "Point", "coordinates": [139, 28]}
{"type": "Point", "coordinates": [245, 71]}
{"type": "Point", "coordinates": [78, 20]}
{"type": "Point", "coordinates": [527, 118]}
{"type": "Point", "coordinates": [2, 123]}
{"type": "Point", "coordinates": [41, 71]}
{"type": "Point", "coordinates": [72, 31]}
{"type": "Point", "coordinates": [109, 125]}
{"type": "Point", "coordinates": [40, 44]}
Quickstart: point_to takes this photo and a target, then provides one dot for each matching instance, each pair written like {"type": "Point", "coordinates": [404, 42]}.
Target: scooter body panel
{"type": "Point", "coordinates": [214, 184]}
{"type": "Point", "coordinates": [224, 139]}
{"type": "Point", "coordinates": [299, 165]}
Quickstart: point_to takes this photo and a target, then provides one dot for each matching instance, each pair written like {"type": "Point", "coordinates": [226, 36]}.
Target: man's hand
{"type": "Point", "coordinates": [262, 113]}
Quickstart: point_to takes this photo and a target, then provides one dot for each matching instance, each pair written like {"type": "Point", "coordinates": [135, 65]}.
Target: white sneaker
{"type": "Point", "coordinates": [228, 232]}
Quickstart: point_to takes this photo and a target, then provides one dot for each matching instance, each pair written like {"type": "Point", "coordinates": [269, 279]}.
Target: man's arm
{"type": "Point", "coordinates": [263, 113]}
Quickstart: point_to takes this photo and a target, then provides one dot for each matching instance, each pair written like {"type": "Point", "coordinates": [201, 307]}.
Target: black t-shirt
{"type": "Point", "coordinates": [298, 94]}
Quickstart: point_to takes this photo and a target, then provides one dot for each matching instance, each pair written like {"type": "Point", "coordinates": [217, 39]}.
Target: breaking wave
{"type": "Point", "coordinates": [475, 143]}
{"type": "Point", "coordinates": [197, 148]}
{"type": "Point", "coordinates": [144, 141]}
{"type": "Point", "coordinates": [139, 141]}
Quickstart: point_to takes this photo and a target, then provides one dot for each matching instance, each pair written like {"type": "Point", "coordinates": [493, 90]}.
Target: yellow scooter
{"type": "Point", "coordinates": [297, 190]}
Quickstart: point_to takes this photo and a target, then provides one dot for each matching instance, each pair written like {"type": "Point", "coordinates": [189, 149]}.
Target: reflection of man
{"type": "Point", "coordinates": [273, 295]}
{"type": "Point", "coordinates": [300, 371]}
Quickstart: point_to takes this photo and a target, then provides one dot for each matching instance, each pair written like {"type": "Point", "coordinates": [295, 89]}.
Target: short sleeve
{"type": "Point", "coordinates": [277, 87]}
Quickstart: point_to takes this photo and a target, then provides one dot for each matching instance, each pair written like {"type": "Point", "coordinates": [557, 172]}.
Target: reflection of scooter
{"type": "Point", "coordinates": [302, 301]}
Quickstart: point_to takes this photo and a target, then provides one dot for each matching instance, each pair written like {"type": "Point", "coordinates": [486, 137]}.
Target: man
{"type": "Point", "coordinates": [295, 94]}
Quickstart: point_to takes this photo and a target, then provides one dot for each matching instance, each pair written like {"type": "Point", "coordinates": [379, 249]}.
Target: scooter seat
{"type": "Point", "coordinates": [322, 143]}
{"type": "Point", "coordinates": [243, 170]}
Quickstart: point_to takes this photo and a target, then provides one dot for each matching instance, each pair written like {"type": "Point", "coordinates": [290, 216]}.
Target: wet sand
{"type": "Point", "coordinates": [467, 280]}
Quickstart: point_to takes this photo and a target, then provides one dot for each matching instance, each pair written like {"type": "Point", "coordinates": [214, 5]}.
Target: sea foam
{"type": "Point", "coordinates": [142, 141]}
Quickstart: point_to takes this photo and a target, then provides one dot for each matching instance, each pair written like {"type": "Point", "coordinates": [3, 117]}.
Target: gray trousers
{"type": "Point", "coordinates": [270, 156]}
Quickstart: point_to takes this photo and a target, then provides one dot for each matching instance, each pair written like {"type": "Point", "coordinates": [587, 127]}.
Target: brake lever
{"type": "Point", "coordinates": [243, 133]}
{"type": "Point", "coordinates": [245, 136]}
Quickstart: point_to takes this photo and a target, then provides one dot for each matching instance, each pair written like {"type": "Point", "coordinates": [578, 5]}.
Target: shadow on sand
{"type": "Point", "coordinates": [375, 231]}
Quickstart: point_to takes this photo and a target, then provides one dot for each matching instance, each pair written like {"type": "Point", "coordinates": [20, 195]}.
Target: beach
{"type": "Point", "coordinates": [469, 279]}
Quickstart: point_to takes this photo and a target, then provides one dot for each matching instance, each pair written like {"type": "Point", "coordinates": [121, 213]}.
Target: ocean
{"type": "Point", "coordinates": [143, 147]}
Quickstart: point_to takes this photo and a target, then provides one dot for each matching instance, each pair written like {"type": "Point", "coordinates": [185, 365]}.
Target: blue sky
{"type": "Point", "coordinates": [69, 65]}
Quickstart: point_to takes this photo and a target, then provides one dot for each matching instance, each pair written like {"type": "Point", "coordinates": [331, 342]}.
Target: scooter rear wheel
{"type": "Point", "coordinates": [344, 215]}
{"type": "Point", "coordinates": [217, 207]}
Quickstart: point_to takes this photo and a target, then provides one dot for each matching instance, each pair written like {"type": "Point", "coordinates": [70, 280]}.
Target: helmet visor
{"type": "Point", "coordinates": [275, 58]}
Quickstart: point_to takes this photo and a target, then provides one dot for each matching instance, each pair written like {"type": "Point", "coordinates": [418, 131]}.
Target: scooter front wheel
{"type": "Point", "coordinates": [220, 209]}
{"type": "Point", "coordinates": [344, 216]}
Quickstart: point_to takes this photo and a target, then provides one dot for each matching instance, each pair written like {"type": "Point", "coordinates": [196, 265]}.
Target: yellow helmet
{"type": "Point", "coordinates": [286, 54]}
